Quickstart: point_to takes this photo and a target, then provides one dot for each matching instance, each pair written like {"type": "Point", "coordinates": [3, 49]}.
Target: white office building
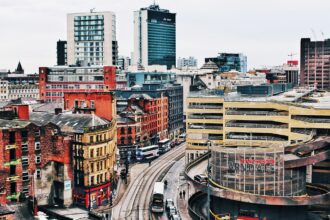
{"type": "Point", "coordinates": [186, 62]}
{"type": "Point", "coordinates": [92, 38]}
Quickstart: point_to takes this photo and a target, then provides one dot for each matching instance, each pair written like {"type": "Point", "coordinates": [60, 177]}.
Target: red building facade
{"type": "Point", "coordinates": [28, 153]}
{"type": "Point", "coordinates": [55, 81]}
{"type": "Point", "coordinates": [101, 104]}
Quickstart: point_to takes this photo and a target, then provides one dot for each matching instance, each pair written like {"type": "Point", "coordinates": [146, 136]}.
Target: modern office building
{"type": "Point", "coordinates": [149, 75]}
{"type": "Point", "coordinates": [315, 63]}
{"type": "Point", "coordinates": [61, 52]}
{"type": "Point", "coordinates": [92, 38]}
{"type": "Point", "coordinates": [186, 62]}
{"type": "Point", "coordinates": [230, 61]}
{"type": "Point", "coordinates": [154, 37]}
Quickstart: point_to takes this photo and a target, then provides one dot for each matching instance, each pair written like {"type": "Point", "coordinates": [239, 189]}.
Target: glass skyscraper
{"type": "Point", "coordinates": [154, 37]}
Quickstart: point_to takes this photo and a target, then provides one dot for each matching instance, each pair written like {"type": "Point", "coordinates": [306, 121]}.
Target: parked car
{"type": "Point", "coordinates": [201, 178]}
{"type": "Point", "coordinates": [171, 211]}
{"type": "Point", "coordinates": [168, 204]}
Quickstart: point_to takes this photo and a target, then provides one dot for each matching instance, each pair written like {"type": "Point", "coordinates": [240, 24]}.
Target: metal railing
{"type": "Point", "coordinates": [205, 106]}
{"type": "Point", "coordinates": [312, 120]}
{"type": "Point", "coordinates": [267, 113]}
{"type": "Point", "coordinates": [254, 125]}
{"type": "Point", "coordinates": [205, 117]}
{"type": "Point", "coordinates": [254, 137]}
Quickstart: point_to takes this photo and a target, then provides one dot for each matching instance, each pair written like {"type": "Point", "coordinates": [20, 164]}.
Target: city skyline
{"type": "Point", "coordinates": [269, 33]}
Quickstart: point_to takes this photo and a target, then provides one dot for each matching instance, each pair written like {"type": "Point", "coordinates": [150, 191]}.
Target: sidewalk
{"type": "Point", "coordinates": [182, 204]}
{"type": "Point", "coordinates": [183, 208]}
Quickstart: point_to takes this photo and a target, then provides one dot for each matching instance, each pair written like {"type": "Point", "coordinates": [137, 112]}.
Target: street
{"type": "Point", "coordinates": [135, 202]}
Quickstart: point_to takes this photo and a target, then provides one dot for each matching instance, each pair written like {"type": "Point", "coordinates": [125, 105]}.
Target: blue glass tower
{"type": "Point", "coordinates": [154, 37]}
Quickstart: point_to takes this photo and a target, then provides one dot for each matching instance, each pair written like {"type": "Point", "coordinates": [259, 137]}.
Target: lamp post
{"type": "Point", "coordinates": [208, 182]}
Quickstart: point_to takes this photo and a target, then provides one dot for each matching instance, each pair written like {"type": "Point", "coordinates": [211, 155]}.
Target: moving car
{"type": "Point", "coordinates": [168, 203]}
{"type": "Point", "coordinates": [175, 217]}
{"type": "Point", "coordinates": [201, 178]}
{"type": "Point", "coordinates": [171, 211]}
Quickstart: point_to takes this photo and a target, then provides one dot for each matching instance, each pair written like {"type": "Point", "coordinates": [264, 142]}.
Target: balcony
{"type": "Point", "coordinates": [14, 196]}
{"type": "Point", "coordinates": [13, 178]}
{"type": "Point", "coordinates": [13, 162]}
{"type": "Point", "coordinates": [10, 146]}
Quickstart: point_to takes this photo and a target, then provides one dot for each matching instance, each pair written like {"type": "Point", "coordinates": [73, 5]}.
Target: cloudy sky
{"type": "Point", "coordinates": [265, 30]}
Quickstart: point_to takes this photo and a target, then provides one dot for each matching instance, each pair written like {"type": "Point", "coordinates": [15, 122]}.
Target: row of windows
{"type": "Point", "coordinates": [98, 166]}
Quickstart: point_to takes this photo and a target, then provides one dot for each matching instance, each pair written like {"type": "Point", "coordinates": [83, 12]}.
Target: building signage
{"type": "Point", "coordinates": [251, 166]}
{"type": "Point", "coordinates": [67, 185]}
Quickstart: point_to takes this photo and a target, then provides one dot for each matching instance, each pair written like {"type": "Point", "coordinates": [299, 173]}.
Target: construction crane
{"type": "Point", "coordinates": [291, 55]}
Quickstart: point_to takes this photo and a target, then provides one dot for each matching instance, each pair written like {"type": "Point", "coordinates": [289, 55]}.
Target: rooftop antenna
{"type": "Point", "coordinates": [92, 10]}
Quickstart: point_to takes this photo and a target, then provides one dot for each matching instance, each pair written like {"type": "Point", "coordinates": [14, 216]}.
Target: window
{"type": "Point", "coordinates": [37, 145]}
{"type": "Point", "coordinates": [92, 153]}
{"type": "Point", "coordinates": [122, 130]}
{"type": "Point", "coordinates": [129, 130]}
{"type": "Point", "coordinates": [38, 159]}
{"type": "Point", "coordinates": [25, 148]}
{"type": "Point", "coordinates": [38, 173]}
{"type": "Point", "coordinates": [25, 161]}
{"type": "Point", "coordinates": [37, 133]}
{"type": "Point", "coordinates": [91, 139]}
{"type": "Point", "coordinates": [25, 176]}
{"type": "Point", "coordinates": [92, 103]}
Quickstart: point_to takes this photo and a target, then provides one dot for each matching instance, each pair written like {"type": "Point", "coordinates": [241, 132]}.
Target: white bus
{"type": "Point", "coordinates": [164, 145]}
{"type": "Point", "coordinates": [147, 153]}
{"type": "Point", "coordinates": [157, 202]}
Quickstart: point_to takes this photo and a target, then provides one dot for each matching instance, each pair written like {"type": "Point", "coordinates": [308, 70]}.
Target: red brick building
{"type": "Point", "coordinates": [101, 104]}
{"type": "Point", "coordinates": [29, 153]}
{"type": "Point", "coordinates": [55, 81]}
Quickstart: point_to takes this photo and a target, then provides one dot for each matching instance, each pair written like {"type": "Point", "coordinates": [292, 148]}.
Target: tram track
{"type": "Point", "coordinates": [136, 200]}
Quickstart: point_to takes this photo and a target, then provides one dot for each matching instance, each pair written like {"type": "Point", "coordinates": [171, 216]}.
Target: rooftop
{"type": "Point", "coordinates": [302, 96]}
{"type": "Point", "coordinates": [71, 123]}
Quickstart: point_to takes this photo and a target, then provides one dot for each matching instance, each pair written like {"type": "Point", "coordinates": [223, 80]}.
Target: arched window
{"type": "Point", "coordinates": [130, 130]}
{"type": "Point", "coordinates": [122, 140]}
{"type": "Point", "coordinates": [129, 140]}
{"type": "Point", "coordinates": [122, 130]}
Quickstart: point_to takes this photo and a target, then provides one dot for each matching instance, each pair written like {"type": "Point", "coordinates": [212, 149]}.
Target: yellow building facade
{"type": "Point", "coordinates": [253, 121]}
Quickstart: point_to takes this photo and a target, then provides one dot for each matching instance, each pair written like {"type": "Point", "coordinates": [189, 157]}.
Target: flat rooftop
{"type": "Point", "coordinates": [302, 96]}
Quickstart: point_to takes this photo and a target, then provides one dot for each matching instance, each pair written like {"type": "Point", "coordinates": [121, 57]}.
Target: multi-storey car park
{"type": "Point", "coordinates": [269, 151]}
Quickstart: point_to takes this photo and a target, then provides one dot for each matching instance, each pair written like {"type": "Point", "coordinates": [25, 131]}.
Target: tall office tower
{"type": "Point", "coordinates": [186, 62]}
{"type": "Point", "coordinates": [92, 38]}
{"type": "Point", "coordinates": [315, 63]}
{"type": "Point", "coordinates": [230, 61]}
{"type": "Point", "coordinates": [154, 37]}
{"type": "Point", "coordinates": [61, 53]}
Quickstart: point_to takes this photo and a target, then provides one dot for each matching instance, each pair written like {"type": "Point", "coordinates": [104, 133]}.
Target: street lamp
{"type": "Point", "coordinates": [208, 181]}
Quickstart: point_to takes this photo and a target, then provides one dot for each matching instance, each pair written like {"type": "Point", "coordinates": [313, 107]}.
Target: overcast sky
{"type": "Point", "coordinates": [265, 30]}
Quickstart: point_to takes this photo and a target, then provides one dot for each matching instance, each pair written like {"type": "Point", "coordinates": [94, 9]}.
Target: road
{"type": "Point", "coordinates": [135, 202]}
{"type": "Point", "coordinates": [173, 182]}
